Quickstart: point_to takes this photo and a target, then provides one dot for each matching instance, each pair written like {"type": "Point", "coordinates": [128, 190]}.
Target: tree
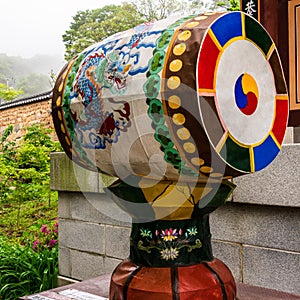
{"type": "Point", "coordinates": [156, 9]}
{"type": "Point", "coordinates": [92, 26]}
{"type": "Point", "coordinates": [24, 166]}
{"type": "Point", "coordinates": [160, 9]}
{"type": "Point", "coordinates": [230, 5]}
{"type": "Point", "coordinates": [7, 93]}
{"type": "Point", "coordinates": [34, 84]}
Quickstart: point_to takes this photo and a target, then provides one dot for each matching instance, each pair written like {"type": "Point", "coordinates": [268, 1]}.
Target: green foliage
{"type": "Point", "coordinates": [7, 147]}
{"type": "Point", "coordinates": [160, 9]}
{"type": "Point", "coordinates": [157, 9]}
{"type": "Point", "coordinates": [45, 233]}
{"type": "Point", "coordinates": [38, 135]}
{"type": "Point", "coordinates": [21, 220]}
{"type": "Point", "coordinates": [29, 258]}
{"type": "Point", "coordinates": [25, 169]}
{"type": "Point", "coordinates": [91, 26]}
{"type": "Point", "coordinates": [24, 271]}
{"type": "Point", "coordinates": [7, 93]}
{"type": "Point", "coordinates": [230, 5]}
{"type": "Point", "coordinates": [53, 77]}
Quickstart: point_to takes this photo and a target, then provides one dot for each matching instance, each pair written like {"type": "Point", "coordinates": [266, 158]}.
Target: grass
{"type": "Point", "coordinates": [24, 271]}
{"type": "Point", "coordinates": [17, 219]}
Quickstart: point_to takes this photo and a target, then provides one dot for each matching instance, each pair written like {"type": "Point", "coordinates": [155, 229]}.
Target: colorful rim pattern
{"type": "Point", "coordinates": [152, 88]}
{"type": "Point", "coordinates": [246, 98]}
{"type": "Point", "coordinates": [179, 97]}
{"type": "Point", "coordinates": [62, 118]}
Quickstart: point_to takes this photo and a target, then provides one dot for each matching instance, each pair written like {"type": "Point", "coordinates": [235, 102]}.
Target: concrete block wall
{"type": "Point", "coordinates": [256, 233]}
{"type": "Point", "coordinates": [90, 243]}
{"type": "Point", "coordinates": [260, 244]}
{"type": "Point", "coordinates": [93, 231]}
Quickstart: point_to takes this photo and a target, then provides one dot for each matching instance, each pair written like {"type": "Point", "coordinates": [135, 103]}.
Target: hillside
{"type": "Point", "coordinates": [32, 75]}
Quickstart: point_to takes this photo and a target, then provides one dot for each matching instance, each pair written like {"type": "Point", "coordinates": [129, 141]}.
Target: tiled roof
{"type": "Point", "coordinates": [27, 100]}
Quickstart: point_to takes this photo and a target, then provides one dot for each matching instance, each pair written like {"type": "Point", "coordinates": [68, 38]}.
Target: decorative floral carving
{"type": "Point", "coordinates": [169, 241]}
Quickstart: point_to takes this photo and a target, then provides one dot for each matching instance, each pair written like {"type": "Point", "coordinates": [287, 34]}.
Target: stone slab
{"type": "Point", "coordinates": [266, 226]}
{"type": "Point", "coordinates": [68, 176]}
{"type": "Point", "coordinates": [117, 241]}
{"type": "Point", "coordinates": [250, 292]}
{"type": "Point", "coordinates": [271, 268]}
{"type": "Point", "coordinates": [65, 175]}
{"type": "Point", "coordinates": [82, 236]}
{"type": "Point", "coordinates": [62, 280]}
{"type": "Point", "coordinates": [230, 254]}
{"type": "Point", "coordinates": [64, 261]}
{"type": "Point", "coordinates": [275, 185]}
{"type": "Point", "coordinates": [64, 204]}
{"type": "Point", "coordinates": [289, 136]}
{"type": "Point", "coordinates": [296, 134]}
{"type": "Point", "coordinates": [110, 264]}
{"type": "Point", "coordinates": [96, 207]}
{"type": "Point", "coordinates": [86, 265]}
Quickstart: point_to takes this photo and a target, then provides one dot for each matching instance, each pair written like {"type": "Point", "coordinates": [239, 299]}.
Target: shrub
{"type": "Point", "coordinates": [24, 271]}
{"type": "Point", "coordinates": [46, 235]}
{"type": "Point", "coordinates": [25, 168]}
{"type": "Point", "coordinates": [28, 262]}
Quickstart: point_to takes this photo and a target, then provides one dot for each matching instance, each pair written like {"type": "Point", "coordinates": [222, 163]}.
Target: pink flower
{"type": "Point", "coordinates": [52, 243]}
{"type": "Point", "coordinates": [45, 229]}
{"type": "Point", "coordinates": [55, 227]}
{"type": "Point", "coordinates": [35, 243]}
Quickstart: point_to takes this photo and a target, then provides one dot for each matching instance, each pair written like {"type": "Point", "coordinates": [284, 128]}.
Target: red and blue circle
{"type": "Point", "coordinates": [246, 94]}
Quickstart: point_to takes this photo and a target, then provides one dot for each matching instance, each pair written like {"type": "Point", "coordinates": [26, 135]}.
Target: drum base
{"type": "Point", "coordinates": [204, 281]}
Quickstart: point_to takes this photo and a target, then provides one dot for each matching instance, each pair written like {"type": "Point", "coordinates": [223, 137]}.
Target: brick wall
{"type": "Point", "coordinates": [25, 112]}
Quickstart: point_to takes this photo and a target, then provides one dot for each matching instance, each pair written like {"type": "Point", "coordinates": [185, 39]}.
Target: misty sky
{"type": "Point", "coordinates": [29, 27]}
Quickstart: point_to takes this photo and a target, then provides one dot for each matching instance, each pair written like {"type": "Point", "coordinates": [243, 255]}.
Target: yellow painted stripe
{"type": "Point", "coordinates": [206, 91]}
{"type": "Point", "coordinates": [275, 140]}
{"type": "Point", "coordinates": [272, 48]}
{"type": "Point", "coordinates": [282, 97]}
{"type": "Point", "coordinates": [222, 142]}
{"type": "Point", "coordinates": [232, 40]}
{"type": "Point", "coordinates": [237, 142]}
{"type": "Point", "coordinates": [243, 26]}
{"type": "Point", "coordinates": [215, 40]}
{"type": "Point", "coordinates": [252, 163]}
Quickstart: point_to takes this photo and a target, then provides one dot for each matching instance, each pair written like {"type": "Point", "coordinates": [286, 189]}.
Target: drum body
{"type": "Point", "coordinates": [192, 99]}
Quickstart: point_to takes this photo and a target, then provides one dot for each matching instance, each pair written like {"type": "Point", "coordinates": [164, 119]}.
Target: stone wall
{"type": "Point", "coordinates": [25, 112]}
{"type": "Point", "coordinates": [256, 233]}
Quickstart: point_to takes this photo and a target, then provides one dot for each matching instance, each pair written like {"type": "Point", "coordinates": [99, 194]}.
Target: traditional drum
{"type": "Point", "coordinates": [174, 109]}
{"type": "Point", "coordinates": [196, 98]}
